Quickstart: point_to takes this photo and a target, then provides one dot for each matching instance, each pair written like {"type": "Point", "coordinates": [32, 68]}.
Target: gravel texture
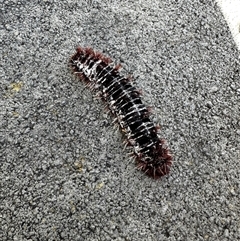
{"type": "Point", "coordinates": [64, 173]}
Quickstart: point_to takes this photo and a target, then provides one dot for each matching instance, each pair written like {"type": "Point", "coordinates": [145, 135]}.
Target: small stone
{"type": "Point", "coordinates": [213, 89]}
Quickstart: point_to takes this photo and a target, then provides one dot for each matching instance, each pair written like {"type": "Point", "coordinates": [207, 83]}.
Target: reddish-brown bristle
{"type": "Point", "coordinates": [80, 50]}
{"type": "Point", "coordinates": [130, 78]}
{"type": "Point", "coordinates": [83, 78]}
{"type": "Point", "coordinates": [98, 55]}
{"type": "Point", "coordinates": [150, 109]}
{"type": "Point", "coordinates": [118, 67]}
{"type": "Point", "coordinates": [140, 91]}
{"type": "Point", "coordinates": [106, 60]}
{"type": "Point", "coordinates": [89, 51]}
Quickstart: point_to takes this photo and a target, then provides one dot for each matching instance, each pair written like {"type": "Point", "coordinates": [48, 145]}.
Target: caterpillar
{"type": "Point", "coordinates": [101, 75]}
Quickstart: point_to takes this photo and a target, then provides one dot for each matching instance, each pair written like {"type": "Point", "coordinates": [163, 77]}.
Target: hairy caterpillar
{"type": "Point", "coordinates": [101, 75]}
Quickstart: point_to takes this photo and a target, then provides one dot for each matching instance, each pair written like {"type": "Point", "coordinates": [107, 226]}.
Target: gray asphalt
{"type": "Point", "coordinates": [64, 174]}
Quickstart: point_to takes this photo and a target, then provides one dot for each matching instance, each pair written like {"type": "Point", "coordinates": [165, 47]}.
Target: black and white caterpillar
{"type": "Point", "coordinates": [123, 99]}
